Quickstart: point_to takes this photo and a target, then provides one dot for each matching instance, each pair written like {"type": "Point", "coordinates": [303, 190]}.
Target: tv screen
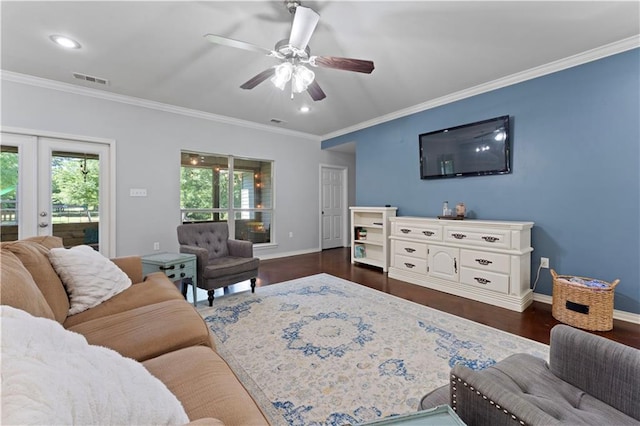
{"type": "Point", "coordinates": [475, 149]}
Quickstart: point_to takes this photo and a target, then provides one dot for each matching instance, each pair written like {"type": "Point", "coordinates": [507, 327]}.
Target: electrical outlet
{"type": "Point", "coordinates": [544, 262]}
{"type": "Point", "coordinates": [156, 246]}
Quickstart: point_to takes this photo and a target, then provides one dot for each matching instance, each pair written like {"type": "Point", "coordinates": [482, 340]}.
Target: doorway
{"type": "Point", "coordinates": [57, 186]}
{"type": "Point", "coordinates": [333, 207]}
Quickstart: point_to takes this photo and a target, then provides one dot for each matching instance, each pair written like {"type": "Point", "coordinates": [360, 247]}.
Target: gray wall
{"type": "Point", "coordinates": [148, 145]}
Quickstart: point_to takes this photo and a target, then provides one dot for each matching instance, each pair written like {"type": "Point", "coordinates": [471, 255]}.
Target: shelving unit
{"type": "Point", "coordinates": [370, 235]}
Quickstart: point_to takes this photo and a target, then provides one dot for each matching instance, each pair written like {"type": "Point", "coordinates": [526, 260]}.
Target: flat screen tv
{"type": "Point", "coordinates": [475, 149]}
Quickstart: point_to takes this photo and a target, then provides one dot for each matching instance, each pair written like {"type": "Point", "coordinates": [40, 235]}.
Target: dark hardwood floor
{"type": "Point", "coordinates": [534, 323]}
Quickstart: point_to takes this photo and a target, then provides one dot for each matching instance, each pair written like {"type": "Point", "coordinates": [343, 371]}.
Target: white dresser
{"type": "Point", "coordinates": [488, 261]}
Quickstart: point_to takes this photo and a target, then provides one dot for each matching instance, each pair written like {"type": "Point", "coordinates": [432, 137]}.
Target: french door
{"type": "Point", "coordinates": [56, 186]}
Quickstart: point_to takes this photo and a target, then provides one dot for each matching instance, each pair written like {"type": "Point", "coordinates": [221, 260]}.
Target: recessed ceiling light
{"type": "Point", "coordinates": [65, 42]}
{"type": "Point", "coordinates": [305, 109]}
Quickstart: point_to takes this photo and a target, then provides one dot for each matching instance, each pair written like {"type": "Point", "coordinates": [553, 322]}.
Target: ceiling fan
{"type": "Point", "coordinates": [295, 56]}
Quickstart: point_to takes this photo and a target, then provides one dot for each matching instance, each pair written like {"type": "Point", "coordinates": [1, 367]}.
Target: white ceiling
{"type": "Point", "coordinates": [423, 50]}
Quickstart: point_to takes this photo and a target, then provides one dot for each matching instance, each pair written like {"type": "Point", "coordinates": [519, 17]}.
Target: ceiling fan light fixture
{"type": "Point", "coordinates": [302, 78]}
{"type": "Point", "coordinates": [282, 75]}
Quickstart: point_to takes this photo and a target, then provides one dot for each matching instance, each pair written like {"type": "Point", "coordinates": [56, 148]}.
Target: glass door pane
{"type": "Point", "coordinates": [9, 218]}
{"type": "Point", "coordinates": [75, 198]}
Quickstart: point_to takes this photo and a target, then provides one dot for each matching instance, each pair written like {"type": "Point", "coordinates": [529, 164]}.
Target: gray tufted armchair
{"type": "Point", "coordinates": [221, 261]}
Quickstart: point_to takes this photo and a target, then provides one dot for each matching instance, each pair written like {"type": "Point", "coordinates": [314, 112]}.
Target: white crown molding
{"type": "Point", "coordinates": [559, 65]}
{"type": "Point", "coordinates": [144, 103]}
{"type": "Point", "coordinates": [618, 315]}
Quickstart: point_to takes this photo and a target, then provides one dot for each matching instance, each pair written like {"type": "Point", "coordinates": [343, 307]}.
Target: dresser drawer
{"type": "Point", "coordinates": [410, 248]}
{"type": "Point", "coordinates": [410, 264]}
{"type": "Point", "coordinates": [426, 233]}
{"type": "Point", "coordinates": [485, 279]}
{"type": "Point", "coordinates": [480, 237]}
{"type": "Point", "coordinates": [485, 261]}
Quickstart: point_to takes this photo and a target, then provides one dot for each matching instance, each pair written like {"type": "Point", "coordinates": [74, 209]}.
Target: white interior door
{"type": "Point", "coordinates": [333, 207]}
{"type": "Point", "coordinates": [64, 189]}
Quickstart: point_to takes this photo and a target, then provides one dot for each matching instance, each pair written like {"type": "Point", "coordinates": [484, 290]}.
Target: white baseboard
{"type": "Point", "coordinates": [286, 254]}
{"type": "Point", "coordinates": [619, 315]}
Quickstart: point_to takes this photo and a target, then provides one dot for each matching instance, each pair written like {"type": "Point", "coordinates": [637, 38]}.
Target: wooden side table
{"type": "Point", "coordinates": [176, 266]}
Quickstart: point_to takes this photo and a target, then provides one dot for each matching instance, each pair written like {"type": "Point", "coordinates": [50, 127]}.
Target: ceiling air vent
{"type": "Point", "coordinates": [277, 121]}
{"type": "Point", "coordinates": [91, 79]}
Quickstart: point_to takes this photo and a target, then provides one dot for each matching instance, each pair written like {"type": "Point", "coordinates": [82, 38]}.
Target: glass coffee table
{"type": "Point", "coordinates": [442, 415]}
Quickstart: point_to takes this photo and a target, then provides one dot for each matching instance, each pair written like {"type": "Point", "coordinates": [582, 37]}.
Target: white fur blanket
{"type": "Point", "coordinates": [53, 376]}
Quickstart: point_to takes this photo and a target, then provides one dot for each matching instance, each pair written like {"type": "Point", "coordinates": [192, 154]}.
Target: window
{"type": "Point", "coordinates": [217, 188]}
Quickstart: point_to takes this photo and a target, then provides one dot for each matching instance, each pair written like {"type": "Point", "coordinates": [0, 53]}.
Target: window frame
{"type": "Point", "coordinates": [231, 210]}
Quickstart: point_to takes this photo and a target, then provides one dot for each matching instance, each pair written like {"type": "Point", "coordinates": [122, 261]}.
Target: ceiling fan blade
{"type": "Point", "coordinates": [253, 82]}
{"type": "Point", "coordinates": [304, 24]}
{"type": "Point", "coordinates": [346, 64]}
{"type": "Point", "coordinates": [213, 38]}
{"type": "Point", "coordinates": [315, 91]}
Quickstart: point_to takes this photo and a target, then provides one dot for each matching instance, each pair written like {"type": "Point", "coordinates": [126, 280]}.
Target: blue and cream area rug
{"type": "Point", "coordinates": [321, 350]}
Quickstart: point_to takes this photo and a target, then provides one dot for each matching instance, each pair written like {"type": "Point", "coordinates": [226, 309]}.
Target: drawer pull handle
{"type": "Point", "coordinates": [482, 280]}
{"type": "Point", "coordinates": [182, 265]}
{"type": "Point", "coordinates": [491, 239]}
{"type": "Point", "coordinates": [409, 250]}
{"type": "Point", "coordinates": [171, 276]}
{"type": "Point", "coordinates": [378, 223]}
{"type": "Point", "coordinates": [166, 268]}
{"type": "Point", "coordinates": [409, 265]}
{"type": "Point", "coordinates": [182, 274]}
{"type": "Point", "coordinates": [458, 236]}
{"type": "Point", "coordinates": [405, 230]}
{"type": "Point", "coordinates": [484, 262]}
{"type": "Point", "coordinates": [455, 265]}
{"type": "Point", "coordinates": [428, 233]}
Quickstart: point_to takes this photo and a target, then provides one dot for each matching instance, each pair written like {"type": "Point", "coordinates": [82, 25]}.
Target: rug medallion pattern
{"type": "Point", "coordinates": [324, 351]}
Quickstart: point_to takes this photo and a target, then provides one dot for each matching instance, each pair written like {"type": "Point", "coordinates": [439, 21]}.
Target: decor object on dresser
{"type": "Point", "coordinates": [323, 350]}
{"type": "Point", "coordinates": [370, 234]}
{"type": "Point", "coordinates": [488, 261]}
{"type": "Point", "coordinates": [589, 380]}
{"type": "Point", "coordinates": [221, 261]}
{"type": "Point", "coordinates": [178, 267]}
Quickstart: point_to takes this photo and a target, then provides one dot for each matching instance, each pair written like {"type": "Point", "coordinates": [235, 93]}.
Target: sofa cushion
{"type": "Point", "coordinates": [156, 288]}
{"type": "Point", "coordinates": [18, 289]}
{"type": "Point", "coordinates": [523, 385]}
{"type": "Point", "coordinates": [148, 331]}
{"type": "Point", "coordinates": [53, 376]}
{"type": "Point", "coordinates": [206, 386]}
{"type": "Point", "coordinates": [89, 277]}
{"type": "Point", "coordinates": [34, 256]}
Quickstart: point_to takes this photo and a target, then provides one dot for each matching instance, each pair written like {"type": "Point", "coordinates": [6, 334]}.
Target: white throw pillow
{"type": "Point", "coordinates": [53, 376]}
{"type": "Point", "coordinates": [90, 278]}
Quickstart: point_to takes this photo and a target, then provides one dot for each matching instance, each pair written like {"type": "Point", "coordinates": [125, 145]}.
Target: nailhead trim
{"type": "Point", "coordinates": [455, 381]}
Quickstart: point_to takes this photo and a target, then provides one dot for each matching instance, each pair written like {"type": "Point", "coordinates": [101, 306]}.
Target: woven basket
{"type": "Point", "coordinates": [581, 306]}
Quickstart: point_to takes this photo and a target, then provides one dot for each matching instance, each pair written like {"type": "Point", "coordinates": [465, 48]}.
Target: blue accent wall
{"type": "Point", "coordinates": [575, 169]}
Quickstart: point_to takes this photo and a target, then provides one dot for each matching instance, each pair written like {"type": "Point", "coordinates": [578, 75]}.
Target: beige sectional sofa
{"type": "Point", "coordinates": [149, 322]}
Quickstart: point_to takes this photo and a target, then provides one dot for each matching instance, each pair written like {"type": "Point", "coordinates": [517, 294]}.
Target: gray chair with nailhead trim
{"type": "Point", "coordinates": [589, 380]}
{"type": "Point", "coordinates": [221, 261]}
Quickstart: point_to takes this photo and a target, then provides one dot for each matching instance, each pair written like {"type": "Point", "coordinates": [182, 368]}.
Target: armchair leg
{"type": "Point", "coordinates": [210, 298]}
{"type": "Point", "coordinates": [253, 285]}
